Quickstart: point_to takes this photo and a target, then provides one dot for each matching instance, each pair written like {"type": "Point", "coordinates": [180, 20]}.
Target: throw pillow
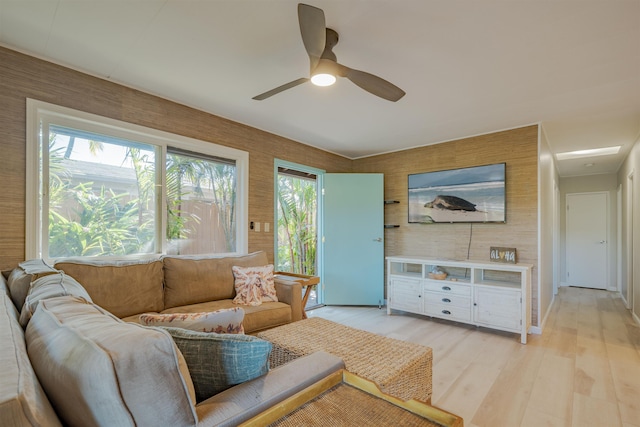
{"type": "Point", "coordinates": [225, 321]}
{"type": "Point", "coordinates": [254, 285]}
{"type": "Point", "coordinates": [217, 362]}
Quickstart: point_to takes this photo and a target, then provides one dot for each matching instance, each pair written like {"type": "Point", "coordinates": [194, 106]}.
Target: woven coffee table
{"type": "Point", "coordinates": [399, 368]}
{"type": "Point", "coordinates": [344, 399]}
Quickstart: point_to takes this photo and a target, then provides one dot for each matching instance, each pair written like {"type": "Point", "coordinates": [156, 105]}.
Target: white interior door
{"type": "Point", "coordinates": [587, 245]}
{"type": "Point", "coordinates": [353, 239]}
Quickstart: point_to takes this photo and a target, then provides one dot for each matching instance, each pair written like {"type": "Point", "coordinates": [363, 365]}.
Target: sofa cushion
{"type": "Point", "coordinates": [254, 285]}
{"type": "Point", "coordinates": [22, 400]}
{"type": "Point", "coordinates": [256, 318]}
{"type": "Point", "coordinates": [223, 321]}
{"type": "Point", "coordinates": [21, 277]}
{"type": "Point", "coordinates": [53, 285]}
{"type": "Point", "coordinates": [195, 279]}
{"type": "Point", "coordinates": [98, 370]}
{"type": "Point", "coordinates": [219, 361]}
{"type": "Point", "coordinates": [123, 288]}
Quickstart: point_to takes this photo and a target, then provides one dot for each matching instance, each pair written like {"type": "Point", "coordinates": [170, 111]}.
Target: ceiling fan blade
{"type": "Point", "coordinates": [374, 84]}
{"type": "Point", "coordinates": [279, 89]}
{"type": "Point", "coordinates": [313, 31]}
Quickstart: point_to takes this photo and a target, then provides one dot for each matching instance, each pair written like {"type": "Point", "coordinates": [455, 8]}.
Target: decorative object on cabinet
{"type": "Point", "coordinates": [485, 294]}
{"type": "Point", "coordinates": [506, 255]}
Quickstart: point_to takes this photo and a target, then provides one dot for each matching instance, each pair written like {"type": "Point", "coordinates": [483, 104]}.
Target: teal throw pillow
{"type": "Point", "coordinates": [219, 361]}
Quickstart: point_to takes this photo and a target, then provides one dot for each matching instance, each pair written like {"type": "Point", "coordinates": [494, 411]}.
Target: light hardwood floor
{"type": "Point", "coordinates": [584, 370]}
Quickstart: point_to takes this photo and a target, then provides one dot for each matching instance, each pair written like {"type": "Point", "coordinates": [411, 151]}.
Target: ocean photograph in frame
{"type": "Point", "coordinates": [474, 194]}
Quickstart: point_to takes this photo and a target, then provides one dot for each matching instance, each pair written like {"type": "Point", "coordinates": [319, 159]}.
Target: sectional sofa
{"type": "Point", "coordinates": [71, 352]}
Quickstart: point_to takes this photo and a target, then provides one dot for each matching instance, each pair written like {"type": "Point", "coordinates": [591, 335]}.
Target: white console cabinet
{"type": "Point", "coordinates": [488, 294]}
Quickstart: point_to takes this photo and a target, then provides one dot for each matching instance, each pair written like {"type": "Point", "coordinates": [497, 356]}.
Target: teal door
{"type": "Point", "coordinates": [353, 239]}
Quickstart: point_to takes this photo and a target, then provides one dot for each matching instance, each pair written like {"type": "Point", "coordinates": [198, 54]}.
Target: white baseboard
{"type": "Point", "coordinates": [635, 317]}
{"type": "Point", "coordinates": [625, 302]}
{"type": "Point", "coordinates": [535, 330]}
{"type": "Point", "coordinates": [538, 329]}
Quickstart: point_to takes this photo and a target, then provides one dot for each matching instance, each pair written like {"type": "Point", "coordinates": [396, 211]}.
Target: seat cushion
{"type": "Point", "coordinates": [53, 285]}
{"type": "Point", "coordinates": [21, 277]}
{"type": "Point", "coordinates": [22, 400]}
{"type": "Point", "coordinates": [100, 371]}
{"type": "Point", "coordinates": [196, 279]}
{"type": "Point", "coordinates": [123, 288]}
{"type": "Point", "coordinates": [219, 361]}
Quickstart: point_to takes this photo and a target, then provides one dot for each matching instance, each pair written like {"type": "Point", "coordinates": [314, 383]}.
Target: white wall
{"type": "Point", "coordinates": [548, 177]}
{"type": "Point", "coordinates": [631, 237]}
{"type": "Point", "coordinates": [587, 184]}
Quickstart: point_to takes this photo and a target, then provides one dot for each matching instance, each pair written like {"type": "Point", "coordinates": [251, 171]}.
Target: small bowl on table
{"type": "Point", "coordinates": [438, 276]}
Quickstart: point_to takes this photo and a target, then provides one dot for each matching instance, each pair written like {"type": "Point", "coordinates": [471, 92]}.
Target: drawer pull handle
{"type": "Point", "coordinates": [446, 300]}
{"type": "Point", "coordinates": [446, 312]}
{"type": "Point", "coordinates": [446, 288]}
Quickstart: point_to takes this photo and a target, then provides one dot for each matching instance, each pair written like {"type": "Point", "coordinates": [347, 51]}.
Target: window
{"type": "Point", "coordinates": [98, 187]}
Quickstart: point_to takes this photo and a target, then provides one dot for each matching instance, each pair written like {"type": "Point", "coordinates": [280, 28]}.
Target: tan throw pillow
{"type": "Point", "coordinates": [225, 321]}
{"type": "Point", "coordinates": [254, 285]}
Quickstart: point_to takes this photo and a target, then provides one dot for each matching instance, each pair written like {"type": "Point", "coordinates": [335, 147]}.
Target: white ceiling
{"type": "Point", "coordinates": [469, 67]}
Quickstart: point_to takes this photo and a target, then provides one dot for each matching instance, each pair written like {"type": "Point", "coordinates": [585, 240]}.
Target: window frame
{"type": "Point", "coordinates": [36, 203]}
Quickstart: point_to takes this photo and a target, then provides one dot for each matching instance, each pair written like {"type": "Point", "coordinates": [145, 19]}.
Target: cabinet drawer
{"type": "Point", "coordinates": [447, 299]}
{"type": "Point", "coordinates": [447, 287]}
{"type": "Point", "coordinates": [448, 312]}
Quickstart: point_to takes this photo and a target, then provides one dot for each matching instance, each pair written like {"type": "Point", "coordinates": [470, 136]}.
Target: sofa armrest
{"type": "Point", "coordinates": [290, 292]}
{"type": "Point", "coordinates": [244, 401]}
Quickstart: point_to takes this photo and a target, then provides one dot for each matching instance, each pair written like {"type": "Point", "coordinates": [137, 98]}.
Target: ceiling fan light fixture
{"type": "Point", "coordinates": [323, 79]}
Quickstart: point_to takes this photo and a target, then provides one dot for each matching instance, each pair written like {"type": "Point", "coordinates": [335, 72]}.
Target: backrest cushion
{"type": "Point", "coordinates": [223, 321]}
{"type": "Point", "coordinates": [195, 279]}
{"type": "Point", "coordinates": [22, 400]}
{"type": "Point", "coordinates": [99, 371]}
{"type": "Point", "coordinates": [53, 285]}
{"type": "Point", "coordinates": [21, 277]}
{"type": "Point", "coordinates": [123, 288]}
{"type": "Point", "coordinates": [219, 361]}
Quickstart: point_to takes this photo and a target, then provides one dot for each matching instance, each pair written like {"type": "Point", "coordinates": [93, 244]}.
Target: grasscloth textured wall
{"type": "Point", "coordinates": [23, 77]}
{"type": "Point", "coordinates": [517, 148]}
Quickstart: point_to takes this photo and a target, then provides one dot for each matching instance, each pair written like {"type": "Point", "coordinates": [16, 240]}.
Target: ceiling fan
{"type": "Point", "coordinates": [318, 41]}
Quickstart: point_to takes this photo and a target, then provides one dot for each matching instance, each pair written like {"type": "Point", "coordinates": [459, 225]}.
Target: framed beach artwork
{"type": "Point", "coordinates": [475, 194]}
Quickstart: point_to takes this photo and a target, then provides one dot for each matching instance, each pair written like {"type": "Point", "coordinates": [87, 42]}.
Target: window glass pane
{"type": "Point", "coordinates": [101, 195]}
{"type": "Point", "coordinates": [201, 204]}
{"type": "Point", "coordinates": [296, 220]}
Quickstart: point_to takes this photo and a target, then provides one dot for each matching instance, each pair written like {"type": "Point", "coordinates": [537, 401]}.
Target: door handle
{"type": "Point", "coordinates": [602, 241]}
{"type": "Point", "coordinates": [379, 239]}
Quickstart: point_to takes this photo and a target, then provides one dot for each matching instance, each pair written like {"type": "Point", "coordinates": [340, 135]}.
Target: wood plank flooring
{"type": "Point", "coordinates": [583, 371]}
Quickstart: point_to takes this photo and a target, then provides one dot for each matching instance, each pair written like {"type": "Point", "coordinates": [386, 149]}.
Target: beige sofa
{"type": "Point", "coordinates": [181, 284]}
{"type": "Point", "coordinates": [79, 364]}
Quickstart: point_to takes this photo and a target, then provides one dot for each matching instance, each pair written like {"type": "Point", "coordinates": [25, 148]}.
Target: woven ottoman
{"type": "Point", "coordinates": [399, 368]}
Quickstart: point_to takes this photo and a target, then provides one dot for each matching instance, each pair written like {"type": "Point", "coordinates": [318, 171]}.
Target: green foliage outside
{"type": "Point", "coordinates": [297, 229]}
{"type": "Point", "coordinates": [85, 220]}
